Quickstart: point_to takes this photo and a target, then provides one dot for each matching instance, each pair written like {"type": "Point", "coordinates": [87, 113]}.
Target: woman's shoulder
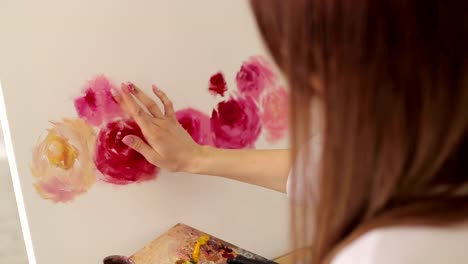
{"type": "Point", "coordinates": [408, 245]}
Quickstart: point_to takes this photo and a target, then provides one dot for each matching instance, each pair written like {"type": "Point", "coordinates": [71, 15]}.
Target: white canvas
{"type": "Point", "coordinates": [50, 48]}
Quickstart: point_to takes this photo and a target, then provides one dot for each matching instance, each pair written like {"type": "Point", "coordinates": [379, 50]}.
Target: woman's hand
{"type": "Point", "coordinates": [169, 146]}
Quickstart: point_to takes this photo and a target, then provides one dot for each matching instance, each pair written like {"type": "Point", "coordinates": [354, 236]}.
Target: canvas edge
{"type": "Point", "coordinates": [16, 180]}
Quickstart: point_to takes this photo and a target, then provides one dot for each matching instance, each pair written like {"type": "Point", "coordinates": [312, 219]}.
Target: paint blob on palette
{"type": "Point", "coordinates": [75, 153]}
{"type": "Point", "coordinates": [183, 244]}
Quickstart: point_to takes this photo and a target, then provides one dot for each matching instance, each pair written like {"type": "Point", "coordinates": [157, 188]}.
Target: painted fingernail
{"type": "Point", "coordinates": [155, 88]}
{"type": "Point", "coordinates": [131, 87]}
{"type": "Point", "coordinates": [117, 260]}
{"type": "Point", "coordinates": [128, 140]}
{"type": "Point", "coordinates": [123, 88]}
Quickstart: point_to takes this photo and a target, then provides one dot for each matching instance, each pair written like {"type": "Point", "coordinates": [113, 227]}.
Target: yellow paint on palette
{"type": "Point", "coordinates": [200, 242]}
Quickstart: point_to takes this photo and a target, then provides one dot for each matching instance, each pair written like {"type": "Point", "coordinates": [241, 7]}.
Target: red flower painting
{"type": "Point", "coordinates": [217, 84]}
{"type": "Point", "coordinates": [118, 163]}
{"type": "Point", "coordinates": [236, 123]}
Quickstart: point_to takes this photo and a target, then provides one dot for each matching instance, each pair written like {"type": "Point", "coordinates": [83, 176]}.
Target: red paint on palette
{"type": "Point", "coordinates": [227, 253]}
{"type": "Point", "coordinates": [118, 163]}
{"type": "Point", "coordinates": [218, 84]}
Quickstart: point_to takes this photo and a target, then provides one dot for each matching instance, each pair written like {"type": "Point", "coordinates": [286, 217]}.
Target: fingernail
{"type": "Point", "coordinates": [131, 87]}
{"type": "Point", "coordinates": [117, 260]}
{"type": "Point", "coordinates": [114, 93]}
{"type": "Point", "coordinates": [123, 88]}
{"type": "Point", "coordinates": [155, 88]}
{"type": "Point", "coordinates": [128, 140]}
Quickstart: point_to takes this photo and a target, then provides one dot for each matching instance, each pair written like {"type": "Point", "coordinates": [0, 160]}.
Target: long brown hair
{"type": "Point", "coordinates": [393, 78]}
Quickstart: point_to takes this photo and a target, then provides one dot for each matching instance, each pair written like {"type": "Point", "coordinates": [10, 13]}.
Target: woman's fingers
{"type": "Point", "coordinates": [168, 107]}
{"type": "Point", "coordinates": [143, 119]}
{"type": "Point", "coordinates": [118, 98]}
{"type": "Point", "coordinates": [149, 103]}
{"type": "Point", "coordinates": [144, 149]}
{"type": "Point", "coordinates": [127, 102]}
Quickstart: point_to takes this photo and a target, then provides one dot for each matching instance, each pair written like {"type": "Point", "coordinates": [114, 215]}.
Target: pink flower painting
{"type": "Point", "coordinates": [254, 76]}
{"type": "Point", "coordinates": [97, 105]}
{"type": "Point", "coordinates": [197, 124]}
{"type": "Point", "coordinates": [275, 114]}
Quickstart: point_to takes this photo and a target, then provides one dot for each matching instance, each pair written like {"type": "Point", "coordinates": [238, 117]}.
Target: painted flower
{"type": "Point", "coordinates": [97, 105]}
{"type": "Point", "coordinates": [254, 76]}
{"type": "Point", "coordinates": [118, 163]}
{"type": "Point", "coordinates": [275, 113]}
{"type": "Point", "coordinates": [236, 123]}
{"type": "Point", "coordinates": [62, 161]}
{"type": "Point", "coordinates": [197, 124]}
{"type": "Point", "coordinates": [217, 84]}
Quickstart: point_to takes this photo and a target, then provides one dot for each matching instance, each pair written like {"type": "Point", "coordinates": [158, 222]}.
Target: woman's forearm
{"type": "Point", "coordinates": [266, 168]}
{"type": "Point", "coordinates": [169, 146]}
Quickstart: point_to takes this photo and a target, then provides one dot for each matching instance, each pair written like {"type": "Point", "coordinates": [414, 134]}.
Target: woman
{"type": "Point", "coordinates": [387, 82]}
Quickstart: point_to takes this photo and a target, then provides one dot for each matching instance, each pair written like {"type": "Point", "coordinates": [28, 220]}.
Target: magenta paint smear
{"type": "Point", "coordinates": [254, 76]}
{"type": "Point", "coordinates": [275, 113]}
{"type": "Point", "coordinates": [197, 124]}
{"type": "Point", "coordinates": [96, 105]}
{"type": "Point", "coordinates": [118, 163]}
{"type": "Point", "coordinates": [236, 123]}
{"type": "Point", "coordinates": [217, 84]}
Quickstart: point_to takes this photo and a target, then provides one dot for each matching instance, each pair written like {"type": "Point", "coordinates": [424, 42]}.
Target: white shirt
{"type": "Point", "coordinates": [393, 245]}
{"type": "Point", "coordinates": [408, 245]}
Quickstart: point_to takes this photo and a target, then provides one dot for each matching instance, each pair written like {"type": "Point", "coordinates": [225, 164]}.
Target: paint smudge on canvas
{"type": "Point", "coordinates": [62, 162]}
{"type": "Point", "coordinates": [236, 123]}
{"type": "Point", "coordinates": [197, 124]}
{"type": "Point", "coordinates": [217, 84]}
{"type": "Point", "coordinates": [97, 104]}
{"type": "Point", "coordinates": [118, 163]}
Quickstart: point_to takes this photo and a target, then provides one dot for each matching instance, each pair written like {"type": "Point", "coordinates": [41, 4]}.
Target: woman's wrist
{"type": "Point", "coordinates": [199, 161]}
